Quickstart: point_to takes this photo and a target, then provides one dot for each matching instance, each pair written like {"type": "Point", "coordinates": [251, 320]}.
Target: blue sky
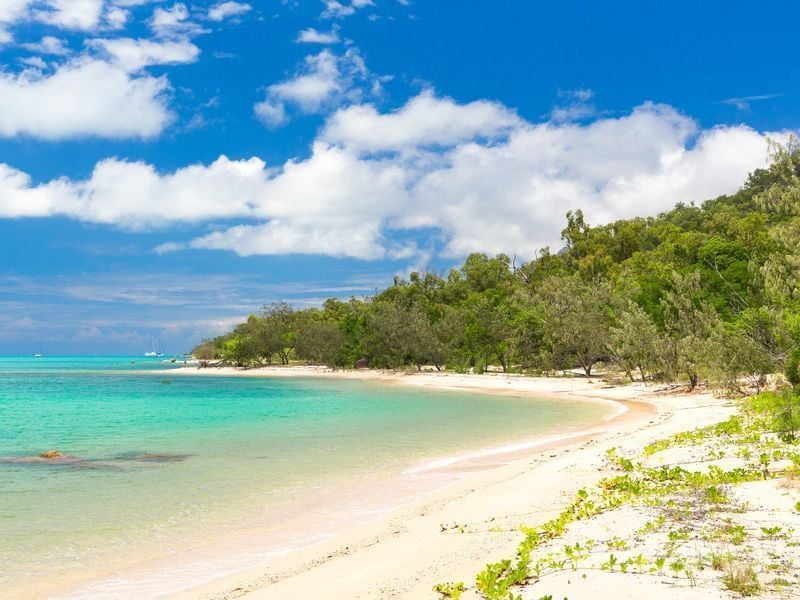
{"type": "Point", "coordinates": [166, 168]}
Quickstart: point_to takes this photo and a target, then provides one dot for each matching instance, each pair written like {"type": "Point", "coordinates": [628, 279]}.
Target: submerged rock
{"type": "Point", "coordinates": [50, 454]}
{"type": "Point", "coordinates": [156, 457]}
{"type": "Point", "coordinates": [51, 457]}
{"type": "Point", "coordinates": [55, 458]}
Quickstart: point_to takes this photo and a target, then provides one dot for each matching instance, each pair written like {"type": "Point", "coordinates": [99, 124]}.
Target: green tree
{"type": "Point", "coordinates": [576, 320]}
{"type": "Point", "coordinates": [782, 195]}
{"type": "Point", "coordinates": [206, 350]}
{"type": "Point", "coordinates": [635, 342]}
{"type": "Point", "coordinates": [279, 321]}
{"type": "Point", "coordinates": [690, 320]}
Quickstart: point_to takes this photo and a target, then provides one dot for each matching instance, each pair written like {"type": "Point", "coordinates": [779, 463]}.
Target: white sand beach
{"type": "Point", "coordinates": [451, 534]}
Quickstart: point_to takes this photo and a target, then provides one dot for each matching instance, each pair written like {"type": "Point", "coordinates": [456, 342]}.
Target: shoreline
{"type": "Point", "coordinates": [637, 409]}
{"type": "Point", "coordinates": [368, 502]}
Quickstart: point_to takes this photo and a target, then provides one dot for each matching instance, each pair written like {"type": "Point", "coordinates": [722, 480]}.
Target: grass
{"type": "Point", "coordinates": [742, 579]}
{"type": "Point", "coordinates": [719, 561]}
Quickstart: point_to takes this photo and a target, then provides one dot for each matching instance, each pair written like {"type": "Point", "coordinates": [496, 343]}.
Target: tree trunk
{"type": "Point", "coordinates": [693, 381]}
{"type": "Point", "coordinates": [502, 362]}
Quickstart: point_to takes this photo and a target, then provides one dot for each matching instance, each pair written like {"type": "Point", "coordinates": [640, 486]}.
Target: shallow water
{"type": "Point", "coordinates": [159, 467]}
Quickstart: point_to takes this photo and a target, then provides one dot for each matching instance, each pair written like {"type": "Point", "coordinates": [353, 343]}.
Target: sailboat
{"type": "Point", "coordinates": [153, 352]}
{"type": "Point", "coordinates": [38, 353]}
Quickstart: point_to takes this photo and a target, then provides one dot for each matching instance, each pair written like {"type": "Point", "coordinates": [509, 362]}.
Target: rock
{"type": "Point", "coordinates": [362, 363]}
{"type": "Point", "coordinates": [50, 454]}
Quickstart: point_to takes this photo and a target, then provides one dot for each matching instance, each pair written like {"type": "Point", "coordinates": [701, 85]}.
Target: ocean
{"type": "Point", "coordinates": [169, 481]}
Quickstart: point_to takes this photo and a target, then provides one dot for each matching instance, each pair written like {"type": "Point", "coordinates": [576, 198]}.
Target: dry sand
{"type": "Point", "coordinates": [451, 534]}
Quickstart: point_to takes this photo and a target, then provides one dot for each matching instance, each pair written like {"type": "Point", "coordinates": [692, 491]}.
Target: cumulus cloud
{"type": "Point", "coordinates": [271, 112]}
{"type": "Point", "coordinates": [323, 80]}
{"type": "Point", "coordinates": [131, 194]}
{"type": "Point", "coordinates": [336, 10]}
{"type": "Point", "coordinates": [223, 10]}
{"type": "Point", "coordinates": [116, 17]}
{"type": "Point", "coordinates": [13, 10]}
{"type": "Point", "coordinates": [476, 174]}
{"type": "Point", "coordinates": [72, 14]}
{"type": "Point", "coordinates": [314, 36]}
{"type": "Point", "coordinates": [511, 197]}
{"type": "Point", "coordinates": [312, 88]}
{"type": "Point", "coordinates": [78, 15]}
{"type": "Point", "coordinates": [173, 21]}
{"type": "Point", "coordinates": [100, 89]}
{"type": "Point", "coordinates": [84, 97]}
{"type": "Point", "coordinates": [134, 54]}
{"type": "Point", "coordinates": [48, 45]}
{"type": "Point", "coordinates": [425, 120]}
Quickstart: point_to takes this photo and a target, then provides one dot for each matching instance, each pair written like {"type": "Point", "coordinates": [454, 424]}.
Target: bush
{"type": "Point", "coordinates": [782, 410]}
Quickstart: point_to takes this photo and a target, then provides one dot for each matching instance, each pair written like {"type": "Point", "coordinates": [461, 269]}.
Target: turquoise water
{"type": "Point", "coordinates": [161, 466]}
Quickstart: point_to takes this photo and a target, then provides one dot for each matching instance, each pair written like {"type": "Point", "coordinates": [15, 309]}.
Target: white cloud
{"type": "Point", "coordinates": [72, 14]}
{"type": "Point", "coordinates": [323, 205]}
{"type": "Point", "coordinates": [577, 105]}
{"type": "Point", "coordinates": [173, 21]}
{"type": "Point", "coordinates": [271, 112]}
{"type": "Point", "coordinates": [5, 37]}
{"type": "Point", "coordinates": [223, 10]}
{"type": "Point", "coordinates": [324, 80]}
{"type": "Point", "coordinates": [116, 17]}
{"type": "Point", "coordinates": [35, 62]}
{"type": "Point", "coordinates": [135, 54]}
{"type": "Point", "coordinates": [512, 197]}
{"type": "Point", "coordinates": [48, 45]}
{"type": "Point", "coordinates": [13, 10]}
{"type": "Point", "coordinates": [82, 98]}
{"type": "Point", "coordinates": [335, 9]}
{"type": "Point", "coordinates": [131, 194]}
{"type": "Point", "coordinates": [312, 88]}
{"type": "Point", "coordinates": [424, 120]}
{"type": "Point", "coordinates": [130, 3]}
{"type": "Point", "coordinates": [313, 36]}
{"type": "Point", "coordinates": [477, 175]}
{"type": "Point", "coordinates": [744, 102]}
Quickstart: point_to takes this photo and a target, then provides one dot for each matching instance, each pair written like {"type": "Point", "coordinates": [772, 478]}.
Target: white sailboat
{"type": "Point", "coordinates": [38, 353]}
{"type": "Point", "coordinates": [155, 353]}
{"type": "Point", "coordinates": [152, 353]}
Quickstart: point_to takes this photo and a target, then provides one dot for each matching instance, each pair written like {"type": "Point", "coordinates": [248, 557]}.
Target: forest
{"type": "Point", "coordinates": [702, 293]}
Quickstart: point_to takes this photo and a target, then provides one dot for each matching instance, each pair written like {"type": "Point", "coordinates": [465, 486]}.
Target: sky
{"type": "Point", "coordinates": [166, 168]}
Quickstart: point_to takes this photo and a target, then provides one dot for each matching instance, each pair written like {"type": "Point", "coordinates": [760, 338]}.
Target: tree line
{"type": "Point", "coordinates": [706, 292]}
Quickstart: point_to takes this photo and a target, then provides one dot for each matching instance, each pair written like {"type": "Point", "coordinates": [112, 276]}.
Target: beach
{"type": "Point", "coordinates": [451, 534]}
{"type": "Point", "coordinates": [376, 534]}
